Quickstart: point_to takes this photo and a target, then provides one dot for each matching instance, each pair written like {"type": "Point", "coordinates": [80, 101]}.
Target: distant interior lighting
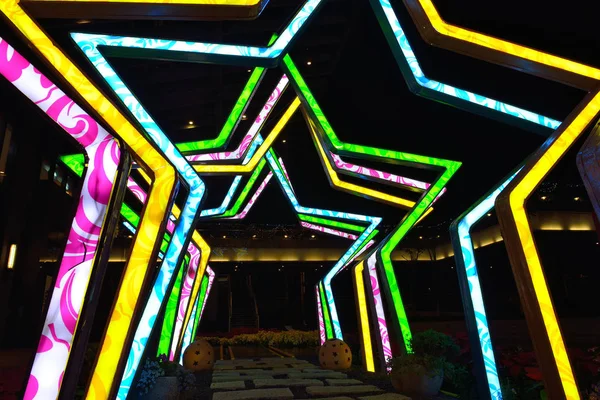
{"type": "Point", "coordinates": [489, 214]}
{"type": "Point", "coordinates": [83, 21]}
{"type": "Point", "coordinates": [12, 254]}
{"type": "Point", "coordinates": [543, 197]}
{"type": "Point", "coordinates": [244, 117]}
{"type": "Point", "coordinates": [309, 63]}
{"type": "Point", "coordinates": [577, 198]}
{"type": "Point", "coordinates": [283, 141]}
{"type": "Point", "coordinates": [224, 237]}
{"type": "Point", "coordinates": [129, 236]}
{"type": "Point", "coordinates": [420, 237]}
{"type": "Point", "coordinates": [249, 70]}
{"type": "Point", "coordinates": [254, 236]}
{"type": "Point", "coordinates": [491, 267]}
{"type": "Point", "coordinates": [190, 122]}
{"type": "Point", "coordinates": [312, 236]}
{"type": "Point", "coordinates": [285, 236]}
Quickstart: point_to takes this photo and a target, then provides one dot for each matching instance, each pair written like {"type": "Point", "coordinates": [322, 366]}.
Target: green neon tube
{"type": "Point", "coordinates": [166, 334]}
{"type": "Point", "coordinates": [203, 291]}
{"type": "Point", "coordinates": [328, 327]}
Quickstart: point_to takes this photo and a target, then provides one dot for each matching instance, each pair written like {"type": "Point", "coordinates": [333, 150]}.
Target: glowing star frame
{"type": "Point", "coordinates": [522, 117]}
{"type": "Point", "coordinates": [163, 188]}
{"type": "Point", "coordinates": [181, 235]}
{"type": "Point", "coordinates": [92, 41]}
{"type": "Point", "coordinates": [319, 123]}
{"type": "Point", "coordinates": [89, 44]}
{"type": "Point", "coordinates": [542, 321]}
{"type": "Point", "coordinates": [88, 234]}
{"type": "Point", "coordinates": [147, 9]}
{"type": "Point", "coordinates": [482, 350]}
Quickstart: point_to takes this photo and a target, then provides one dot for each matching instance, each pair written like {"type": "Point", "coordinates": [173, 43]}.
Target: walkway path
{"type": "Point", "coordinates": [286, 379]}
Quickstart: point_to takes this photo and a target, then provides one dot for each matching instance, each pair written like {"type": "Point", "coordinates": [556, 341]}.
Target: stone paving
{"type": "Point", "coordinates": [286, 379]}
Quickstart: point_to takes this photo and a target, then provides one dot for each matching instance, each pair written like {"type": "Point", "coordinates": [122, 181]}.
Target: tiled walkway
{"type": "Point", "coordinates": [286, 379]}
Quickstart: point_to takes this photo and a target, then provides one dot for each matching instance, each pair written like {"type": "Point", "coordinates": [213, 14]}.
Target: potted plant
{"type": "Point", "coordinates": [164, 379]}
{"type": "Point", "coordinates": [423, 371]}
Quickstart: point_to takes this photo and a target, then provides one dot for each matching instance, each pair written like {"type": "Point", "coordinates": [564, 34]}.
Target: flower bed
{"type": "Point", "coordinates": [284, 339]}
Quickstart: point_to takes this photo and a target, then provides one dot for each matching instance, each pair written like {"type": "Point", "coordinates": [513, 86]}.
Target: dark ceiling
{"type": "Point", "coordinates": [358, 84]}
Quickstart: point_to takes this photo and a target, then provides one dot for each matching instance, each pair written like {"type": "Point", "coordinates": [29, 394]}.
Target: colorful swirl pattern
{"type": "Point", "coordinates": [86, 229]}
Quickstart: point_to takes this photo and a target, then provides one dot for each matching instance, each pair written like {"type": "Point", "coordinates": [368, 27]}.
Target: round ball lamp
{"type": "Point", "coordinates": [335, 354]}
{"type": "Point", "coordinates": [199, 356]}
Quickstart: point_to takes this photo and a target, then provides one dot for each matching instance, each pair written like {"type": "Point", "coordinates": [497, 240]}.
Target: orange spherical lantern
{"type": "Point", "coordinates": [199, 356]}
{"type": "Point", "coordinates": [335, 354]}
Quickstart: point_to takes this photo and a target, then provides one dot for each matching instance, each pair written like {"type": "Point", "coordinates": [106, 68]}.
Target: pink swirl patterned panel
{"type": "Point", "coordinates": [322, 334]}
{"type": "Point", "coordinates": [136, 190]}
{"type": "Point", "coordinates": [381, 321]}
{"type": "Point", "coordinates": [184, 298]}
{"type": "Point", "coordinates": [211, 278]}
{"type": "Point", "coordinates": [78, 258]}
{"type": "Point", "coordinates": [249, 137]}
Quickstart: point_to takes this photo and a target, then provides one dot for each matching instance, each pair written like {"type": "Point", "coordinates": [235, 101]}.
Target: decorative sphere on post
{"type": "Point", "coordinates": [199, 356]}
{"type": "Point", "coordinates": [335, 354]}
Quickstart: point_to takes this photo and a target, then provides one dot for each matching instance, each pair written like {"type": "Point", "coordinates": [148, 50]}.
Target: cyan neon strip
{"type": "Point", "coordinates": [224, 50]}
{"type": "Point", "coordinates": [188, 215]}
{"type": "Point", "coordinates": [469, 277]}
{"type": "Point", "coordinates": [394, 24]}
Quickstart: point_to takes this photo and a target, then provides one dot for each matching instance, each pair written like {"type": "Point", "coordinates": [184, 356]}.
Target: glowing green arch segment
{"type": "Point", "coordinates": [170, 313]}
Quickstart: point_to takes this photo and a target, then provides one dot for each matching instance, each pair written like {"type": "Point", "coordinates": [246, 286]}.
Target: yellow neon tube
{"type": "Point", "coordinates": [260, 152]}
{"type": "Point", "coordinates": [352, 187]}
{"type": "Point", "coordinates": [364, 316]}
{"type": "Point", "coordinates": [154, 213]}
{"type": "Point", "coordinates": [502, 45]}
{"type": "Point", "coordinates": [517, 204]}
{"type": "Point", "coordinates": [204, 256]}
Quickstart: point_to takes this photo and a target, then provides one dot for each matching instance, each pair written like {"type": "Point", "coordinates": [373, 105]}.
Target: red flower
{"type": "Point", "coordinates": [533, 373]}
